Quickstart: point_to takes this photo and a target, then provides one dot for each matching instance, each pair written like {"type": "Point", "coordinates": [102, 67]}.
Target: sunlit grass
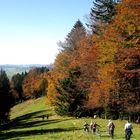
{"type": "Point", "coordinates": [28, 125]}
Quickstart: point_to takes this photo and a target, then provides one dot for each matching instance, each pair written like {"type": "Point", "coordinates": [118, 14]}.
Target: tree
{"type": "Point", "coordinates": [6, 99]}
{"type": "Point", "coordinates": [102, 12]}
{"type": "Point", "coordinates": [69, 47]}
{"type": "Point", "coordinates": [17, 81]}
{"type": "Point", "coordinates": [65, 58]}
{"type": "Point", "coordinates": [118, 61]}
{"type": "Point", "coordinates": [70, 99]}
{"type": "Point", "coordinates": [35, 83]}
{"type": "Point", "coordinates": [127, 29]}
{"type": "Point", "coordinates": [85, 58]}
{"type": "Point", "coordinates": [78, 31]}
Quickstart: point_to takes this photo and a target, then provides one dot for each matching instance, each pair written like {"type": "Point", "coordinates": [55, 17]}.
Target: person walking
{"type": "Point", "coordinates": [86, 127]}
{"type": "Point", "coordinates": [128, 130]}
{"type": "Point", "coordinates": [111, 128]}
{"type": "Point", "coordinates": [94, 126]}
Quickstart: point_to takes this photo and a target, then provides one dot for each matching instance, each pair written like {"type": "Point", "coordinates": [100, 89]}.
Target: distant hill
{"type": "Point", "coordinates": [14, 69]}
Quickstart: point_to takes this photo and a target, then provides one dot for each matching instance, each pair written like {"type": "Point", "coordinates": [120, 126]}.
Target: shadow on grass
{"type": "Point", "coordinates": [21, 120]}
{"type": "Point", "coordinates": [35, 123]}
{"type": "Point", "coordinates": [18, 134]}
{"type": "Point", "coordinates": [30, 120]}
{"type": "Point", "coordinates": [30, 115]}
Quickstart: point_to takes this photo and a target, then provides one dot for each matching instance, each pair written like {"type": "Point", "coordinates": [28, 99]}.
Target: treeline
{"type": "Point", "coordinates": [98, 71]}
{"type": "Point", "coordinates": [21, 87]}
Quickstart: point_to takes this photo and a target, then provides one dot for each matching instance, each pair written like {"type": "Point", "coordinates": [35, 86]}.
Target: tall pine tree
{"type": "Point", "coordinates": [77, 32]}
{"type": "Point", "coordinates": [17, 81]}
{"type": "Point", "coordinates": [70, 99]}
{"type": "Point", "coordinates": [101, 13]}
{"type": "Point", "coordinates": [6, 99]}
{"type": "Point", "coordinates": [66, 57]}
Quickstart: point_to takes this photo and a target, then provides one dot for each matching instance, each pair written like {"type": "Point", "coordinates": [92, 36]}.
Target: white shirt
{"type": "Point", "coordinates": [127, 126]}
{"type": "Point", "coordinates": [109, 123]}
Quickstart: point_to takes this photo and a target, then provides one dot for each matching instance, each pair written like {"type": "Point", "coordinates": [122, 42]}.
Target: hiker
{"type": "Point", "coordinates": [94, 126]}
{"type": "Point", "coordinates": [86, 127]}
{"type": "Point", "coordinates": [138, 119]}
{"type": "Point", "coordinates": [111, 128]}
{"type": "Point", "coordinates": [45, 117]}
{"type": "Point", "coordinates": [128, 130]}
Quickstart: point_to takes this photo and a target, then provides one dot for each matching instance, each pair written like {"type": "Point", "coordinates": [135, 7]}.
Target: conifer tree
{"type": "Point", "coordinates": [77, 32]}
{"type": "Point", "coordinates": [65, 58]}
{"type": "Point", "coordinates": [17, 81]}
{"type": "Point", "coordinates": [6, 100]}
{"type": "Point", "coordinates": [101, 13]}
{"type": "Point", "coordinates": [70, 99]}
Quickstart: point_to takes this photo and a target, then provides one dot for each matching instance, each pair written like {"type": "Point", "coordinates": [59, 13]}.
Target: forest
{"type": "Point", "coordinates": [97, 70]}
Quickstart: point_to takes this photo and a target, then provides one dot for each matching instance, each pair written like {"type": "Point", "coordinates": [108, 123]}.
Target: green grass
{"type": "Point", "coordinates": [27, 124]}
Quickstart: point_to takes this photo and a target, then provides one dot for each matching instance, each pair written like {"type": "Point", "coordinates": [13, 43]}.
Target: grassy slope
{"type": "Point", "coordinates": [28, 124]}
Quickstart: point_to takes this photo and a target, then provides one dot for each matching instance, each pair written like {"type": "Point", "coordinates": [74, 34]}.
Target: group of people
{"type": "Point", "coordinates": [93, 127]}
{"type": "Point", "coordinates": [111, 126]}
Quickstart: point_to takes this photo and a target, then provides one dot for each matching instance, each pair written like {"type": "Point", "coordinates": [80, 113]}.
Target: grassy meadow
{"type": "Point", "coordinates": [27, 124]}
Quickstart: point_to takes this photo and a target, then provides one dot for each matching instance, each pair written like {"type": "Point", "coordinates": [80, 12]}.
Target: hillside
{"type": "Point", "coordinates": [31, 106]}
{"type": "Point", "coordinates": [27, 123]}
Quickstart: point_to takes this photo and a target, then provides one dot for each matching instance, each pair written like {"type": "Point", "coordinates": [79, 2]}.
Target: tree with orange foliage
{"type": "Point", "coordinates": [118, 63]}
{"type": "Point", "coordinates": [127, 28]}
{"type": "Point", "coordinates": [35, 83]}
{"type": "Point", "coordinates": [109, 62]}
{"type": "Point", "coordinates": [64, 59]}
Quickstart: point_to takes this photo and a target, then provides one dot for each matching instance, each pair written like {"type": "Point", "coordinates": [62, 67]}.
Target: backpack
{"type": "Point", "coordinates": [94, 125]}
{"type": "Point", "coordinates": [111, 126]}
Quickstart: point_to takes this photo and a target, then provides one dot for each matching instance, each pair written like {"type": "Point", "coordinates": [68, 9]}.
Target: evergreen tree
{"type": "Point", "coordinates": [6, 100]}
{"type": "Point", "coordinates": [68, 49]}
{"type": "Point", "coordinates": [17, 81]}
{"type": "Point", "coordinates": [70, 99]}
{"type": "Point", "coordinates": [77, 32]}
{"type": "Point", "coordinates": [101, 13]}
{"type": "Point", "coordinates": [67, 55]}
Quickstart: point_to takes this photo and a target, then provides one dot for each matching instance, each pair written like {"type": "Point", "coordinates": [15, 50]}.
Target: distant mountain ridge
{"type": "Point", "coordinates": [12, 69]}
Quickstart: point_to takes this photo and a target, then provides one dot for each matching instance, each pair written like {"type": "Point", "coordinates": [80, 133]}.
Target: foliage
{"type": "Point", "coordinates": [127, 27]}
{"type": "Point", "coordinates": [65, 59]}
{"type": "Point", "coordinates": [70, 99]}
{"type": "Point", "coordinates": [35, 83]}
{"type": "Point", "coordinates": [6, 99]}
{"type": "Point", "coordinates": [102, 12]}
{"type": "Point", "coordinates": [118, 63]}
{"type": "Point", "coordinates": [109, 61]}
{"type": "Point", "coordinates": [16, 82]}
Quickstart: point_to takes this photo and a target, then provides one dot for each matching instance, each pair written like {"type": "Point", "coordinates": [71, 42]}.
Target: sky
{"type": "Point", "coordinates": [30, 29]}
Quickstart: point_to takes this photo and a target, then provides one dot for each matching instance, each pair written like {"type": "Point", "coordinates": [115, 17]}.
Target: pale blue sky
{"type": "Point", "coordinates": [30, 29]}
